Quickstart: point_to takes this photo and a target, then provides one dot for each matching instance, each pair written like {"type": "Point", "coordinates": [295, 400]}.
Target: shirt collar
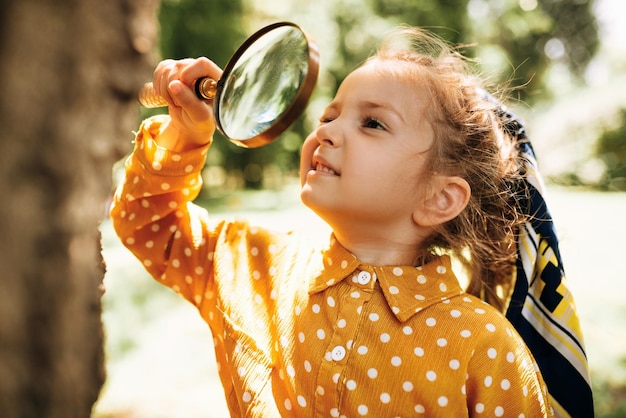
{"type": "Point", "coordinates": [338, 263]}
{"type": "Point", "coordinates": [407, 289]}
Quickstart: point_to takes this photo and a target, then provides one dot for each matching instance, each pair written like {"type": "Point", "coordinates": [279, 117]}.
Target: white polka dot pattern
{"type": "Point", "coordinates": [299, 333]}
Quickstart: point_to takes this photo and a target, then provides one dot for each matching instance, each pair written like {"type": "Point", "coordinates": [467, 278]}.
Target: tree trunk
{"type": "Point", "coordinates": [70, 71]}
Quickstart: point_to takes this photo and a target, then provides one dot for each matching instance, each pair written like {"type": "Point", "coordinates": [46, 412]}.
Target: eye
{"type": "Point", "coordinates": [327, 117]}
{"type": "Point", "coordinates": [373, 123]}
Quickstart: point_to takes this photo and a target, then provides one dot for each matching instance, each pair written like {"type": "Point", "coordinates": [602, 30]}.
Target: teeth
{"type": "Point", "coordinates": [324, 169]}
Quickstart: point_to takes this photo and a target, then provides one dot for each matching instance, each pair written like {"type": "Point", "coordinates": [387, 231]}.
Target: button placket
{"type": "Point", "coordinates": [332, 370]}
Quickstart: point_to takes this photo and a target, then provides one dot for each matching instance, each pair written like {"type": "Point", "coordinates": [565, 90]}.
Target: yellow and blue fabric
{"type": "Point", "coordinates": [542, 308]}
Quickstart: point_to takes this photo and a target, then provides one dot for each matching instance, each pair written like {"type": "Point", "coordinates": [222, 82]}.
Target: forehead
{"type": "Point", "coordinates": [400, 83]}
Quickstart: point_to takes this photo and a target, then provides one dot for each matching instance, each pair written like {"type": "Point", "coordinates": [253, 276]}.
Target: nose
{"type": "Point", "coordinates": [328, 133]}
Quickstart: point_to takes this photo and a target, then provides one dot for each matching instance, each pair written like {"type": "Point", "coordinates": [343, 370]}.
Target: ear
{"type": "Point", "coordinates": [446, 197]}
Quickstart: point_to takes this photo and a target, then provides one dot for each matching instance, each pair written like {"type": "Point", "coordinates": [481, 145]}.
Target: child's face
{"type": "Point", "coordinates": [365, 161]}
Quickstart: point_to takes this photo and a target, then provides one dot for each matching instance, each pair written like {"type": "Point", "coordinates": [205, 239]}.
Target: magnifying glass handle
{"type": "Point", "coordinates": [205, 89]}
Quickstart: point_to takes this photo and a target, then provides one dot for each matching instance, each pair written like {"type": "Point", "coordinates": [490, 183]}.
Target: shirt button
{"type": "Point", "coordinates": [364, 277]}
{"type": "Point", "coordinates": [338, 353]}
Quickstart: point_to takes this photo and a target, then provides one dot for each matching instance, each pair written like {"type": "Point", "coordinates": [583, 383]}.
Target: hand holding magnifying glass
{"type": "Point", "coordinates": [264, 88]}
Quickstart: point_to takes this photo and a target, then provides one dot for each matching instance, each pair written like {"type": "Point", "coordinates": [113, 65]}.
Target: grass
{"type": "Point", "coordinates": [160, 353]}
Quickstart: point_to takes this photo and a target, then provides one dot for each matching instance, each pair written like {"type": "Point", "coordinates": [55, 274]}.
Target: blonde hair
{"type": "Point", "coordinates": [469, 142]}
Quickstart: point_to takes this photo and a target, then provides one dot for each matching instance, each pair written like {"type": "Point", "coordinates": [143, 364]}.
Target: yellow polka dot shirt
{"type": "Point", "coordinates": [306, 332]}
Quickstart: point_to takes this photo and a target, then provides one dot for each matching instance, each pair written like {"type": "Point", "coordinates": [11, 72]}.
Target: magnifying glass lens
{"type": "Point", "coordinates": [263, 84]}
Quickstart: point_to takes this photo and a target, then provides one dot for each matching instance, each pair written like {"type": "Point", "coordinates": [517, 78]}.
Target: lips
{"type": "Point", "coordinates": [322, 166]}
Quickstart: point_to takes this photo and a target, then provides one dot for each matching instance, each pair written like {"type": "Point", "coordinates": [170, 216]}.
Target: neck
{"type": "Point", "coordinates": [383, 250]}
{"type": "Point", "coordinates": [397, 242]}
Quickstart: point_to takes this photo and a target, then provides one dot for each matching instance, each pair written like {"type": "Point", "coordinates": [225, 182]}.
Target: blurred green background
{"type": "Point", "coordinates": [563, 62]}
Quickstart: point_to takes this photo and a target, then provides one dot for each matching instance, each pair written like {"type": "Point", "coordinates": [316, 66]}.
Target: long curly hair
{"type": "Point", "coordinates": [469, 142]}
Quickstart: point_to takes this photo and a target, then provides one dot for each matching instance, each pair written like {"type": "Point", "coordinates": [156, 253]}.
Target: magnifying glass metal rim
{"type": "Point", "coordinates": [294, 110]}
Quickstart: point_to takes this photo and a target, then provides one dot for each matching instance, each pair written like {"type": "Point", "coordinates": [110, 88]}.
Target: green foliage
{"type": "Point", "coordinates": [194, 28]}
{"type": "Point", "coordinates": [609, 398]}
{"type": "Point", "coordinates": [356, 40]}
{"type": "Point", "coordinates": [533, 35]}
{"type": "Point", "coordinates": [575, 25]}
{"type": "Point", "coordinates": [448, 18]}
{"type": "Point", "coordinates": [611, 149]}
{"type": "Point", "coordinates": [517, 45]}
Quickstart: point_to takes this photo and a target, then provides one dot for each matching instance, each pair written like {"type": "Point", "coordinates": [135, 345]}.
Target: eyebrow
{"type": "Point", "coordinates": [378, 105]}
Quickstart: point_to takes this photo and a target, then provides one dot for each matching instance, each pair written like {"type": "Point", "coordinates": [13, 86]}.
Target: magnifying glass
{"type": "Point", "coordinates": [264, 88]}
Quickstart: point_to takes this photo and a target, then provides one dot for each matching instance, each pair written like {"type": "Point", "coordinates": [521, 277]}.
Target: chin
{"type": "Point", "coordinates": [323, 209]}
{"type": "Point", "coordinates": [306, 195]}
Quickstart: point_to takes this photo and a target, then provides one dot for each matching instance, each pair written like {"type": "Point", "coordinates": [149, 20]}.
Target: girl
{"type": "Point", "coordinates": [408, 166]}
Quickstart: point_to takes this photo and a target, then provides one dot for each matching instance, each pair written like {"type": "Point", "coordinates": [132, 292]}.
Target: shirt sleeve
{"type": "Point", "coordinates": [153, 215]}
{"type": "Point", "coordinates": [503, 378]}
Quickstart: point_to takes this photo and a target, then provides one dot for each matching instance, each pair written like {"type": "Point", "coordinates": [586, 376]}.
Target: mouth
{"type": "Point", "coordinates": [320, 165]}
{"type": "Point", "coordinates": [324, 169]}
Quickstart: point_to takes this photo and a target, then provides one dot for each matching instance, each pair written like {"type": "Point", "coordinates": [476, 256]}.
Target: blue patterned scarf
{"type": "Point", "coordinates": [542, 308]}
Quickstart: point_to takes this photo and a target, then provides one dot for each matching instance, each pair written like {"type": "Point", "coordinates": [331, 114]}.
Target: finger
{"type": "Point", "coordinates": [184, 97]}
{"type": "Point", "coordinates": [160, 81]}
{"type": "Point", "coordinates": [198, 68]}
{"type": "Point", "coordinates": [166, 72]}
{"type": "Point", "coordinates": [165, 93]}
{"type": "Point", "coordinates": [157, 76]}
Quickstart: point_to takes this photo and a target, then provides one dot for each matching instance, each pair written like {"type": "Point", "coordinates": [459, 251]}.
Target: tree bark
{"type": "Point", "coordinates": [70, 74]}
